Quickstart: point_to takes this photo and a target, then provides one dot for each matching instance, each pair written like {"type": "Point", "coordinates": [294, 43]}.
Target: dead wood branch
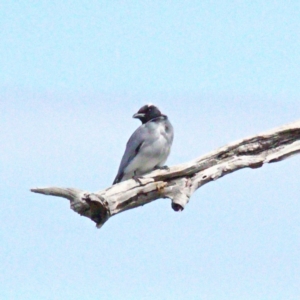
{"type": "Point", "coordinates": [181, 181]}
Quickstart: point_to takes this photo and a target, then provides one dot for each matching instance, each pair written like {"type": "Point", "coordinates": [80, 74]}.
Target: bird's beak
{"type": "Point", "coordinates": [138, 116]}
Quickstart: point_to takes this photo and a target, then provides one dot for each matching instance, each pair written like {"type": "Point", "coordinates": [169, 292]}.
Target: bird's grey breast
{"type": "Point", "coordinates": [164, 129]}
{"type": "Point", "coordinates": [168, 131]}
{"type": "Point", "coordinates": [161, 131]}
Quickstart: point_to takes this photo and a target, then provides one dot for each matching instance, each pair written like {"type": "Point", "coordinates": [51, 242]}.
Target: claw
{"type": "Point", "coordinates": [137, 179]}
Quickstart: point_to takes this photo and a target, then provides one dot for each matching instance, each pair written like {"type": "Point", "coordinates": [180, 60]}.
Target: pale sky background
{"type": "Point", "coordinates": [72, 73]}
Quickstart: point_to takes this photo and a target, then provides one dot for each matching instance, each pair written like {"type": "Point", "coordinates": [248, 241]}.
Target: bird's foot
{"type": "Point", "coordinates": [137, 179]}
{"type": "Point", "coordinates": [162, 168]}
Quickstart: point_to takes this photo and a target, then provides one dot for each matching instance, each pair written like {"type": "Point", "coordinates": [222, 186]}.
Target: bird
{"type": "Point", "coordinates": [149, 146]}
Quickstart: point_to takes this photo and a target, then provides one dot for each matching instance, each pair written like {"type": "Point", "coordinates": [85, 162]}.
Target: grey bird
{"type": "Point", "coordinates": [149, 146]}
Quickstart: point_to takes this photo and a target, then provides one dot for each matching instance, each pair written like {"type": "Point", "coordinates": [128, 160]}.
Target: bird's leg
{"type": "Point", "coordinates": [137, 178]}
{"type": "Point", "coordinates": [162, 168]}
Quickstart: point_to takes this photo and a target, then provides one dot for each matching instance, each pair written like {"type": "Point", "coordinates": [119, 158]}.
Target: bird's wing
{"type": "Point", "coordinates": [132, 149]}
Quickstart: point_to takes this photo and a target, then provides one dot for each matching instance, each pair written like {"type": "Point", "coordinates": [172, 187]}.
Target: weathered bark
{"type": "Point", "coordinates": [181, 181]}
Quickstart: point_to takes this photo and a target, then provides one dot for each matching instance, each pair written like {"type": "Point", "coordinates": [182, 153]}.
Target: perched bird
{"type": "Point", "coordinates": [149, 146]}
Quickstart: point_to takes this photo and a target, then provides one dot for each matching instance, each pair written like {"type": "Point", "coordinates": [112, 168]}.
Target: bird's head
{"type": "Point", "coordinates": [147, 113]}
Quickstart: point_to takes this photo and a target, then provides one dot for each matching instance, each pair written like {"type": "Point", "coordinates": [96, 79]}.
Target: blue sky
{"type": "Point", "coordinates": [72, 75]}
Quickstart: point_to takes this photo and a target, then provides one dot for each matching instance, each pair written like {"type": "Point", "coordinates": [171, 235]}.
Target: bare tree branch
{"type": "Point", "coordinates": [181, 181]}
